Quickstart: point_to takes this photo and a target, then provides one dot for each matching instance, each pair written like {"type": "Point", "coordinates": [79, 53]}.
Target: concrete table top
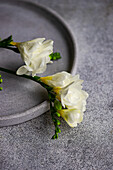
{"type": "Point", "coordinates": [89, 146]}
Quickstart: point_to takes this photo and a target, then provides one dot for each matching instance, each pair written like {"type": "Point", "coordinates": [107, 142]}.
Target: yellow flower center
{"type": "Point", "coordinates": [60, 111]}
{"type": "Point", "coordinates": [56, 90]}
{"type": "Point", "coordinates": [58, 97]}
{"type": "Point", "coordinates": [14, 43]}
{"type": "Point", "coordinates": [46, 79]}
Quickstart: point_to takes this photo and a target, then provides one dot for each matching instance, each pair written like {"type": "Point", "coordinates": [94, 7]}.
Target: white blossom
{"type": "Point", "coordinates": [73, 97]}
{"type": "Point", "coordinates": [35, 54]}
{"type": "Point", "coordinates": [61, 79]}
{"type": "Point", "coordinates": [71, 116]}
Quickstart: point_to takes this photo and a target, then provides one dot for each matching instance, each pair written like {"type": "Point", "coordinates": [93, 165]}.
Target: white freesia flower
{"type": "Point", "coordinates": [73, 97]}
{"type": "Point", "coordinates": [69, 91]}
{"type": "Point", "coordinates": [61, 79]}
{"type": "Point", "coordinates": [35, 54]}
{"type": "Point", "coordinates": [71, 116]}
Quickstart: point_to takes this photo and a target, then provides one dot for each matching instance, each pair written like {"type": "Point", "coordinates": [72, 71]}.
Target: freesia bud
{"type": "Point", "coordinates": [58, 114]}
{"type": "Point", "coordinates": [1, 88]}
{"type": "Point", "coordinates": [71, 116]}
{"type": "Point", "coordinates": [1, 80]}
{"type": "Point", "coordinates": [57, 105]}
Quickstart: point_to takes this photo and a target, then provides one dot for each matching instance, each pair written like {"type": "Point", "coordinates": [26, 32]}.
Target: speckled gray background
{"type": "Point", "coordinates": [28, 146]}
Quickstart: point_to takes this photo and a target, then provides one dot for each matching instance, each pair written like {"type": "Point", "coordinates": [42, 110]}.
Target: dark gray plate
{"type": "Point", "coordinates": [22, 99]}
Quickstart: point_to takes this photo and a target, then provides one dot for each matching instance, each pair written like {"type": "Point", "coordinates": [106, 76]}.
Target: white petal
{"type": "Point", "coordinates": [72, 96]}
{"type": "Point", "coordinates": [72, 116]}
{"type": "Point", "coordinates": [22, 70]}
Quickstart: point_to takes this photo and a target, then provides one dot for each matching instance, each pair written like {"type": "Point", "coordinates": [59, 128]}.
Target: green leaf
{"type": "Point", "coordinates": [6, 42]}
{"type": "Point", "coordinates": [55, 56]}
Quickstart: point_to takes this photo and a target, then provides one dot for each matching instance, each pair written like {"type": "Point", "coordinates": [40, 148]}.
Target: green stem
{"type": "Point", "coordinates": [11, 48]}
{"type": "Point", "coordinates": [35, 78]}
{"type": "Point", "coordinates": [55, 121]}
{"type": "Point", "coordinates": [50, 93]}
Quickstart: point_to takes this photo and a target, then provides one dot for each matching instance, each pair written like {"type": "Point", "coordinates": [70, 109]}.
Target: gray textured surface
{"type": "Point", "coordinates": [89, 146]}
